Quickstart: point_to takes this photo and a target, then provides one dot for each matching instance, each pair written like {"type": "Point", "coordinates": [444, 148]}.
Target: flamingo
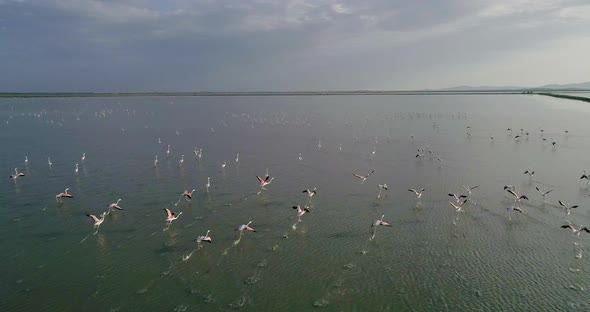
{"type": "Point", "coordinates": [208, 183]}
{"type": "Point", "coordinates": [511, 209]}
{"type": "Point", "coordinates": [97, 221]}
{"type": "Point", "coordinates": [264, 182]}
{"type": "Point", "coordinates": [376, 224]}
{"type": "Point", "coordinates": [246, 227]}
{"type": "Point", "coordinates": [575, 231]}
{"type": "Point", "coordinates": [17, 174]}
{"type": "Point", "coordinates": [237, 157]}
{"type": "Point", "coordinates": [65, 194]}
{"type": "Point", "coordinates": [205, 238]}
{"type": "Point", "coordinates": [300, 157]}
{"type": "Point", "coordinates": [544, 194]}
{"type": "Point", "coordinates": [181, 161]}
{"type": "Point", "coordinates": [568, 209]}
{"type": "Point", "coordinates": [379, 222]}
{"type": "Point", "coordinates": [76, 171]}
{"type": "Point", "coordinates": [418, 194]}
{"type": "Point", "coordinates": [156, 161]}
{"type": "Point", "coordinates": [49, 161]}
{"type": "Point", "coordinates": [196, 152]}
{"type": "Point", "coordinates": [114, 206]}
{"type": "Point", "coordinates": [457, 196]}
{"type": "Point", "coordinates": [187, 194]}
{"type": "Point", "coordinates": [83, 157]}
{"type": "Point", "coordinates": [223, 164]}
{"type": "Point", "coordinates": [363, 178]}
{"type": "Point", "coordinates": [171, 216]}
{"type": "Point", "coordinates": [458, 207]}
{"type": "Point", "coordinates": [168, 151]}
{"type": "Point", "coordinates": [300, 212]}
{"type": "Point", "coordinates": [382, 187]}
{"type": "Point", "coordinates": [26, 160]}
{"type": "Point", "coordinates": [469, 188]}
{"type": "Point", "coordinates": [517, 197]}
{"type": "Point", "coordinates": [310, 193]}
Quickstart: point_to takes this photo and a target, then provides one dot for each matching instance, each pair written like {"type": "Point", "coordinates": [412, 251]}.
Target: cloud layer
{"type": "Point", "coordinates": [228, 45]}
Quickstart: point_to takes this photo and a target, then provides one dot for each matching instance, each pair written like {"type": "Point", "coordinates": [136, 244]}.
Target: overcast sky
{"type": "Point", "coordinates": [237, 45]}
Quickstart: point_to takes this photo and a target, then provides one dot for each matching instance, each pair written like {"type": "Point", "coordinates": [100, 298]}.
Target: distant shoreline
{"type": "Point", "coordinates": [288, 93]}
{"type": "Point", "coordinates": [564, 96]}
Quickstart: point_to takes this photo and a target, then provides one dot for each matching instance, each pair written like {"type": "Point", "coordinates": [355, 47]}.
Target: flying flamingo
{"type": "Point", "coordinates": [97, 221]}
{"type": "Point", "coordinates": [469, 188]}
{"type": "Point", "coordinates": [59, 196]}
{"type": "Point", "coordinates": [201, 239]}
{"type": "Point", "coordinates": [517, 197]}
{"type": "Point", "coordinates": [187, 194]}
{"type": "Point", "coordinates": [17, 174]}
{"type": "Point", "coordinates": [171, 216]}
{"type": "Point", "coordinates": [310, 193]}
{"type": "Point", "coordinates": [457, 196]}
{"type": "Point", "coordinates": [544, 194]}
{"type": "Point", "coordinates": [246, 227]}
{"type": "Point", "coordinates": [568, 209]}
{"type": "Point", "coordinates": [511, 209]}
{"type": "Point", "coordinates": [382, 187]}
{"type": "Point", "coordinates": [377, 223]}
{"type": "Point", "coordinates": [300, 212]}
{"type": "Point", "coordinates": [575, 231]}
{"type": "Point", "coordinates": [264, 182]}
{"type": "Point", "coordinates": [418, 194]}
{"type": "Point", "coordinates": [363, 178]}
{"type": "Point", "coordinates": [458, 207]}
{"type": "Point", "coordinates": [114, 206]}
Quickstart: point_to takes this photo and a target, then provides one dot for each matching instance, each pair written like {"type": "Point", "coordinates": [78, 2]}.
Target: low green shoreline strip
{"type": "Point", "coordinates": [569, 97]}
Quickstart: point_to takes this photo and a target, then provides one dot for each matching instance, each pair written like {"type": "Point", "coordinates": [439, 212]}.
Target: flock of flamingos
{"type": "Point", "coordinates": [457, 202]}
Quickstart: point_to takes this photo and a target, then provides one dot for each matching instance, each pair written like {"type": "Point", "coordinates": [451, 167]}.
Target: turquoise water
{"type": "Point", "coordinates": [431, 259]}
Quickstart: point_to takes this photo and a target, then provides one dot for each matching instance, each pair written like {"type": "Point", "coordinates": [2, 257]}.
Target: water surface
{"type": "Point", "coordinates": [431, 259]}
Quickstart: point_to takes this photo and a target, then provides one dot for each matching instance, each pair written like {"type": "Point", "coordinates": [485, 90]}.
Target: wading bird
{"type": "Point", "coordinates": [97, 221]}
{"type": "Point", "coordinates": [245, 227]}
{"type": "Point", "coordinates": [457, 196]}
{"type": "Point", "coordinates": [17, 174]}
{"type": "Point", "coordinates": [65, 194]}
{"type": "Point", "coordinates": [516, 196]}
{"type": "Point", "coordinates": [300, 212]}
{"type": "Point", "coordinates": [568, 208]}
{"type": "Point", "coordinates": [114, 206]}
{"type": "Point", "coordinates": [363, 178]}
{"type": "Point", "coordinates": [264, 182]}
{"type": "Point", "coordinates": [458, 207]}
{"type": "Point", "coordinates": [171, 216]}
{"type": "Point", "coordinates": [381, 188]}
{"type": "Point", "coordinates": [203, 238]}
{"type": "Point", "coordinates": [544, 194]}
{"type": "Point", "coordinates": [418, 194]}
{"type": "Point", "coordinates": [469, 188]}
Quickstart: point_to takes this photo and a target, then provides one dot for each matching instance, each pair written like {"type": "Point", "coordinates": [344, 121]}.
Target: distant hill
{"type": "Point", "coordinates": [572, 86]}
